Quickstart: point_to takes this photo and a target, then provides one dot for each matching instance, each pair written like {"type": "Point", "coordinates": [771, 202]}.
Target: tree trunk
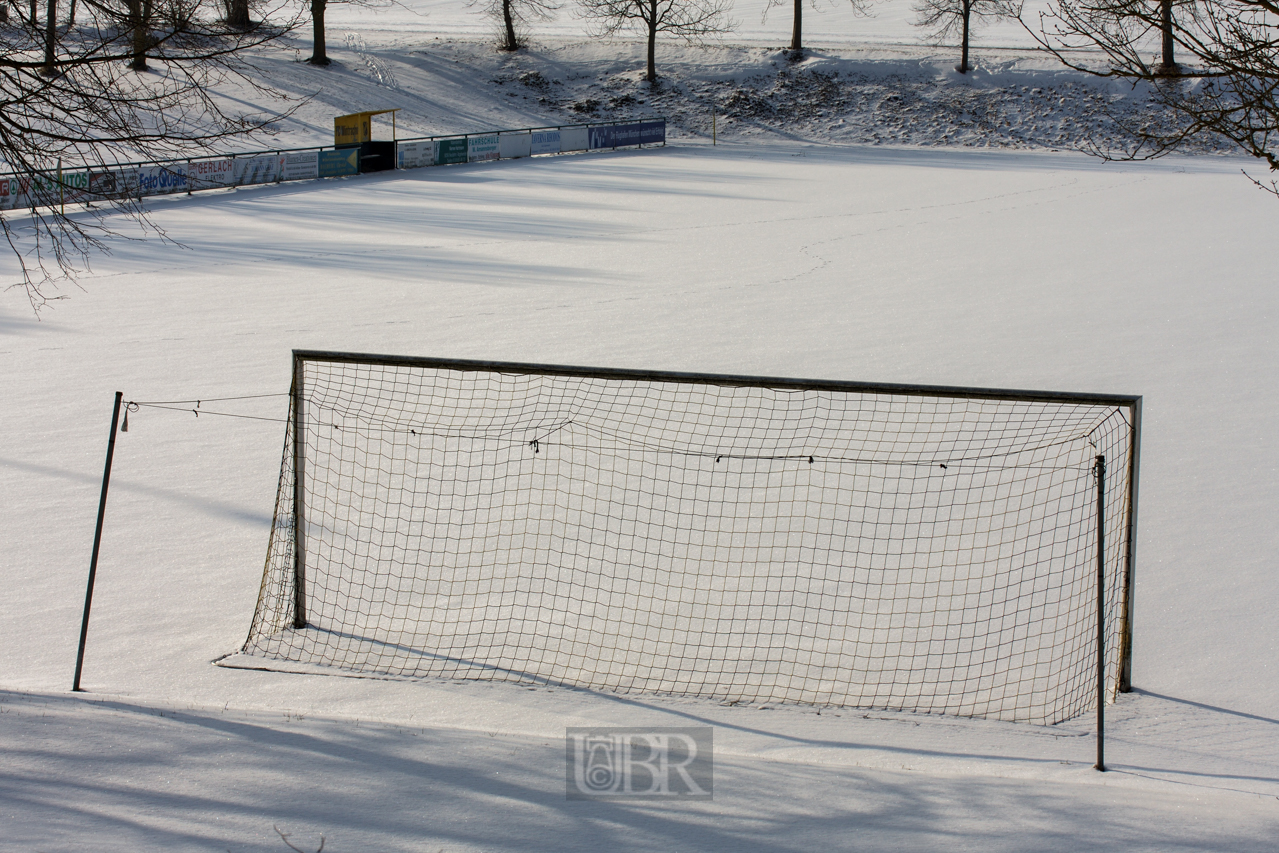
{"type": "Point", "coordinates": [1169, 63]}
{"type": "Point", "coordinates": [652, 42]}
{"type": "Point", "coordinates": [138, 24]}
{"type": "Point", "coordinates": [237, 14]}
{"type": "Point", "coordinates": [962, 68]}
{"type": "Point", "coordinates": [508, 21]}
{"type": "Point", "coordinates": [50, 34]}
{"type": "Point", "coordinates": [71, 17]}
{"type": "Point", "coordinates": [796, 33]}
{"type": "Point", "coordinates": [35, 15]}
{"type": "Point", "coordinates": [318, 54]}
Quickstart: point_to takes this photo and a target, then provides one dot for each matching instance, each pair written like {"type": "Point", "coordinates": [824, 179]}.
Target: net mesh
{"type": "Point", "coordinates": [746, 543]}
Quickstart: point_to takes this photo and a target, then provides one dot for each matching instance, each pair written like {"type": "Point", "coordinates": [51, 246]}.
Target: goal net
{"type": "Point", "coordinates": [744, 539]}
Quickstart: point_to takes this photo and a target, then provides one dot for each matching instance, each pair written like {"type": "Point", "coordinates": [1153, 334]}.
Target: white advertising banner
{"type": "Point", "coordinates": [115, 183]}
{"type": "Point", "coordinates": [515, 145]}
{"type": "Point", "coordinates": [9, 197]}
{"type": "Point", "coordinates": [208, 174]}
{"type": "Point", "coordinates": [574, 139]}
{"type": "Point", "coordinates": [21, 192]}
{"type": "Point", "coordinates": [264, 169]}
{"type": "Point", "coordinates": [162, 179]}
{"type": "Point", "coordinates": [482, 147]}
{"type": "Point", "coordinates": [412, 155]}
{"type": "Point", "coordinates": [545, 142]}
{"type": "Point", "coordinates": [300, 166]}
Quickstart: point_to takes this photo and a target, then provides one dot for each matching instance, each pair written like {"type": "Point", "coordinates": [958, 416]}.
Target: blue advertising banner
{"type": "Point", "coordinates": [617, 135]}
{"type": "Point", "coordinates": [166, 178]}
{"type": "Point", "coordinates": [343, 161]}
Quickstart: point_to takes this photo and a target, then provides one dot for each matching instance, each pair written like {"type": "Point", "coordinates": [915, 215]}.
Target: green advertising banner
{"type": "Point", "coordinates": [450, 151]}
{"type": "Point", "coordinates": [343, 161]}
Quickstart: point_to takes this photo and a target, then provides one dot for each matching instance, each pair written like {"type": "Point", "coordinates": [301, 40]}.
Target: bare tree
{"type": "Point", "coordinates": [319, 50]}
{"type": "Point", "coordinates": [85, 107]}
{"type": "Point", "coordinates": [1227, 89]}
{"type": "Point", "coordinates": [139, 21]}
{"type": "Point", "coordinates": [1168, 63]}
{"type": "Point", "coordinates": [860, 7]}
{"type": "Point", "coordinates": [688, 20]}
{"type": "Point", "coordinates": [237, 14]}
{"type": "Point", "coordinates": [513, 18]}
{"type": "Point", "coordinates": [949, 18]}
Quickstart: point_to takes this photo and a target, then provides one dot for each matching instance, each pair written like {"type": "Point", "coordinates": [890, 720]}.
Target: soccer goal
{"type": "Point", "coordinates": [945, 550]}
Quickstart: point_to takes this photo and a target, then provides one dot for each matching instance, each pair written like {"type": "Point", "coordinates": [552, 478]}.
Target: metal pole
{"type": "Point", "coordinates": [1130, 554]}
{"type": "Point", "coordinates": [1101, 613]}
{"type": "Point", "coordinates": [299, 542]}
{"type": "Point", "coordinates": [97, 542]}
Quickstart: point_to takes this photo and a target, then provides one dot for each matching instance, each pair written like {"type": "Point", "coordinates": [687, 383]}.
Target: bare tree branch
{"type": "Point", "coordinates": [81, 101]}
{"type": "Point", "coordinates": [1227, 88]}
{"type": "Point", "coordinates": [285, 838]}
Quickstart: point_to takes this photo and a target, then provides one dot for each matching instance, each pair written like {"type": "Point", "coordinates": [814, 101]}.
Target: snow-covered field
{"type": "Point", "coordinates": [809, 256]}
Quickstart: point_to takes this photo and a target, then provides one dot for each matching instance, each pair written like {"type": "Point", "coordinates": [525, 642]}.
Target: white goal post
{"type": "Point", "coordinates": [962, 551]}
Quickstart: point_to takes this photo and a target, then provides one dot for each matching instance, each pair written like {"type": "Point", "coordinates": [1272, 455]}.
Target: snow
{"type": "Point", "coordinates": [826, 22]}
{"type": "Point", "coordinates": [767, 255]}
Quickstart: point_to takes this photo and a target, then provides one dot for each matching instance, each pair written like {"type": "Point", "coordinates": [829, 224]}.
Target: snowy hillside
{"type": "Point", "coordinates": [809, 251]}
{"type": "Point", "coordinates": [847, 94]}
{"type": "Point", "coordinates": [852, 86]}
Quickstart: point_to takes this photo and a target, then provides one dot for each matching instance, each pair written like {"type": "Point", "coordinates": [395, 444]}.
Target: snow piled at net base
{"type": "Point", "coordinates": [746, 543]}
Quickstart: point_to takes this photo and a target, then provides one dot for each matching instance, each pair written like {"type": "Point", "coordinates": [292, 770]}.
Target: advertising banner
{"type": "Point", "coordinates": [74, 189]}
{"type": "Point", "coordinates": [545, 142]}
{"type": "Point", "coordinates": [115, 183]}
{"type": "Point", "coordinates": [412, 155]}
{"type": "Point", "coordinates": [264, 169]}
{"type": "Point", "coordinates": [210, 174]}
{"type": "Point", "coordinates": [162, 179]}
{"type": "Point", "coordinates": [39, 190]}
{"type": "Point", "coordinates": [450, 151]}
{"type": "Point", "coordinates": [482, 147]}
{"type": "Point", "coordinates": [515, 145]}
{"type": "Point", "coordinates": [573, 139]}
{"type": "Point", "coordinates": [343, 161]}
{"type": "Point", "coordinates": [77, 187]}
{"type": "Point", "coordinates": [22, 192]}
{"type": "Point", "coordinates": [300, 166]}
{"type": "Point", "coordinates": [637, 133]}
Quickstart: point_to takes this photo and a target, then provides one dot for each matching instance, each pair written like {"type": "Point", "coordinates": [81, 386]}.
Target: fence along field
{"type": "Point", "coordinates": [136, 180]}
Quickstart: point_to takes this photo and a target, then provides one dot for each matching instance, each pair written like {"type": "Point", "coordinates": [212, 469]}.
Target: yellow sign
{"type": "Point", "coordinates": [358, 127]}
